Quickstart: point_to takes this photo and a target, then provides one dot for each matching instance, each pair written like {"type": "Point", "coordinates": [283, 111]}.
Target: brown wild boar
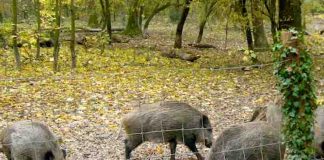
{"type": "Point", "coordinates": [27, 140]}
{"type": "Point", "coordinates": [274, 117]}
{"type": "Point", "coordinates": [250, 141]}
{"type": "Point", "coordinates": [167, 122]}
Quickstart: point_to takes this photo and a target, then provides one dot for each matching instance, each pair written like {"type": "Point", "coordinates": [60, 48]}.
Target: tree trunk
{"type": "Point", "coordinates": [14, 33]}
{"type": "Point", "coordinates": [201, 30]}
{"type": "Point", "coordinates": [93, 15]}
{"type": "Point", "coordinates": [38, 8]}
{"type": "Point", "coordinates": [103, 14]}
{"type": "Point", "coordinates": [209, 8]}
{"type": "Point", "coordinates": [1, 16]}
{"type": "Point", "coordinates": [72, 43]}
{"type": "Point", "coordinates": [140, 16]}
{"type": "Point", "coordinates": [226, 29]}
{"type": "Point", "coordinates": [132, 27]}
{"type": "Point", "coordinates": [296, 85]}
{"type": "Point", "coordinates": [274, 31]}
{"type": "Point", "coordinates": [260, 38]}
{"type": "Point", "coordinates": [185, 12]}
{"type": "Point", "coordinates": [290, 14]}
{"type": "Point", "coordinates": [108, 20]}
{"type": "Point", "coordinates": [156, 10]}
{"type": "Point", "coordinates": [247, 27]}
{"type": "Point", "coordinates": [57, 34]}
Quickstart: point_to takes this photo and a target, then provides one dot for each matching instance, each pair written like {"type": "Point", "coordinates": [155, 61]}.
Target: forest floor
{"type": "Point", "coordinates": [85, 106]}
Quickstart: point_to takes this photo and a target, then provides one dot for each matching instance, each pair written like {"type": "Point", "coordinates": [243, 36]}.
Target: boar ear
{"type": "Point", "coordinates": [205, 121]}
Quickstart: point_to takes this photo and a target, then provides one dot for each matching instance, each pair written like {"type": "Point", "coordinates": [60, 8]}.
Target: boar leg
{"type": "Point", "coordinates": [191, 144]}
{"type": "Point", "coordinates": [173, 146]}
{"type": "Point", "coordinates": [130, 145]}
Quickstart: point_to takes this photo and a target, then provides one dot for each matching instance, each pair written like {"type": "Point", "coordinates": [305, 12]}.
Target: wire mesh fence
{"type": "Point", "coordinates": [105, 139]}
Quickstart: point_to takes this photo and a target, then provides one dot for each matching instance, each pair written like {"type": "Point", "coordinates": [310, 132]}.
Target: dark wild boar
{"type": "Point", "coordinates": [167, 122]}
{"type": "Point", "coordinates": [250, 141]}
{"type": "Point", "coordinates": [27, 140]}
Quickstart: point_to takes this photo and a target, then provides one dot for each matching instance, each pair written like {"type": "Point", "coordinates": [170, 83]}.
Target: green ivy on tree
{"type": "Point", "coordinates": [295, 81]}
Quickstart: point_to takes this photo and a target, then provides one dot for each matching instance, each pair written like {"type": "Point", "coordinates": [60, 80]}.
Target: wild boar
{"type": "Point", "coordinates": [250, 141]}
{"type": "Point", "coordinates": [27, 140]}
{"type": "Point", "coordinates": [274, 117]}
{"type": "Point", "coordinates": [167, 122]}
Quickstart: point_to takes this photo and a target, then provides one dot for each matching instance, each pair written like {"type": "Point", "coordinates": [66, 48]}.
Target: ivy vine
{"type": "Point", "coordinates": [295, 81]}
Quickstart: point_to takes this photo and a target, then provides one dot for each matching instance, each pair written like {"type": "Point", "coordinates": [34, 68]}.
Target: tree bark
{"type": "Point", "coordinates": [93, 15]}
{"type": "Point", "coordinates": [14, 34]}
{"type": "Point", "coordinates": [57, 34]}
{"type": "Point", "coordinates": [201, 30]}
{"type": "Point", "coordinates": [298, 116]}
{"type": "Point", "coordinates": [272, 11]}
{"type": "Point", "coordinates": [185, 12]}
{"type": "Point", "coordinates": [132, 27]}
{"type": "Point", "coordinates": [38, 8]}
{"type": "Point", "coordinates": [209, 8]}
{"type": "Point", "coordinates": [260, 38]}
{"type": "Point", "coordinates": [1, 16]}
{"type": "Point", "coordinates": [72, 43]}
{"type": "Point", "coordinates": [248, 32]}
{"type": "Point", "coordinates": [140, 16]}
{"type": "Point", "coordinates": [156, 10]}
{"type": "Point", "coordinates": [290, 14]}
{"type": "Point", "coordinates": [108, 20]}
{"type": "Point", "coordinates": [103, 14]}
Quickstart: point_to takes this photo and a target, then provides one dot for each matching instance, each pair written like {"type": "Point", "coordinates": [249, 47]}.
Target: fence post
{"type": "Point", "coordinates": [295, 82]}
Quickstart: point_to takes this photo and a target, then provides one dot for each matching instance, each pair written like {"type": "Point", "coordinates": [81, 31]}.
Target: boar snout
{"type": "Point", "coordinates": [208, 143]}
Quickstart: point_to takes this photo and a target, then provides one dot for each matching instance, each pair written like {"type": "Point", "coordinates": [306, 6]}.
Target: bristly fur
{"type": "Point", "coordinates": [245, 140]}
{"type": "Point", "coordinates": [167, 122]}
{"type": "Point", "coordinates": [27, 139]}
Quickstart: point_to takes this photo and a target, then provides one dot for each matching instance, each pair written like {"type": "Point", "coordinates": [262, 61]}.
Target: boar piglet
{"type": "Point", "coordinates": [167, 122]}
{"type": "Point", "coordinates": [27, 140]}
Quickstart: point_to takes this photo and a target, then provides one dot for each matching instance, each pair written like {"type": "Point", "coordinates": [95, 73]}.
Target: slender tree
{"type": "Point", "coordinates": [207, 11]}
{"type": "Point", "coordinates": [93, 15]}
{"type": "Point", "coordinates": [57, 34]}
{"type": "Point", "coordinates": [290, 14]}
{"type": "Point", "coordinates": [38, 17]}
{"type": "Point", "coordinates": [14, 33]}
{"type": "Point", "coordinates": [271, 7]}
{"type": "Point", "coordinates": [72, 43]}
{"type": "Point", "coordinates": [108, 19]}
{"type": "Point", "coordinates": [140, 15]}
{"type": "Point", "coordinates": [132, 27]}
{"type": "Point", "coordinates": [259, 35]}
{"type": "Point", "coordinates": [184, 15]}
{"type": "Point", "coordinates": [248, 32]}
{"type": "Point", "coordinates": [158, 8]}
{"type": "Point", "coordinates": [103, 14]}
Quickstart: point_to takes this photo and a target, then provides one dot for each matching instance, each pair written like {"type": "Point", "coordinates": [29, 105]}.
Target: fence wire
{"type": "Point", "coordinates": [142, 99]}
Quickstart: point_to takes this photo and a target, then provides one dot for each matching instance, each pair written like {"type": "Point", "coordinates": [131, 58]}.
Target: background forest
{"type": "Point", "coordinates": [79, 65]}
